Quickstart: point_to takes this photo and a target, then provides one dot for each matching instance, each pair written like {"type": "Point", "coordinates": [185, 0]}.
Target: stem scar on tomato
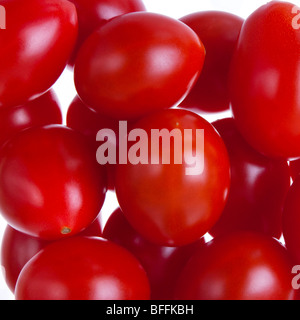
{"type": "Point", "coordinates": [65, 230]}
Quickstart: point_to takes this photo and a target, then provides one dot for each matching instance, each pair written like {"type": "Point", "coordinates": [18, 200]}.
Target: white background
{"type": "Point", "coordinates": [175, 8]}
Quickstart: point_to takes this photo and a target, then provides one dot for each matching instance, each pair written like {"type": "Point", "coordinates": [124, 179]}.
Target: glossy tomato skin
{"type": "Point", "coordinates": [18, 248]}
{"type": "Point", "coordinates": [51, 185]}
{"type": "Point", "coordinates": [130, 68]}
{"type": "Point", "coordinates": [83, 268]}
{"type": "Point", "coordinates": [169, 206]}
{"type": "Point", "coordinates": [87, 121]}
{"type": "Point", "coordinates": [259, 186]}
{"type": "Point", "coordinates": [240, 266]}
{"type": "Point", "coordinates": [219, 33]}
{"type": "Point", "coordinates": [35, 47]}
{"type": "Point", "coordinates": [264, 103]}
{"type": "Point", "coordinates": [41, 111]}
{"type": "Point", "coordinates": [93, 14]}
{"type": "Point", "coordinates": [162, 264]}
{"type": "Point", "coordinates": [291, 221]}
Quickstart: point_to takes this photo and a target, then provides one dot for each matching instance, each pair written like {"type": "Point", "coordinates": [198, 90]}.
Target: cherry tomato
{"type": "Point", "coordinates": [18, 248]}
{"type": "Point", "coordinates": [130, 68]}
{"type": "Point", "coordinates": [35, 47]}
{"type": "Point", "coordinates": [87, 121]}
{"type": "Point", "coordinates": [51, 185]}
{"type": "Point", "coordinates": [291, 221]}
{"type": "Point", "coordinates": [82, 268]}
{"type": "Point", "coordinates": [239, 266]}
{"type": "Point", "coordinates": [38, 112]}
{"type": "Point", "coordinates": [258, 188]}
{"type": "Point", "coordinates": [264, 81]}
{"type": "Point", "coordinates": [219, 33]}
{"type": "Point", "coordinates": [165, 203]}
{"type": "Point", "coordinates": [93, 14]}
{"type": "Point", "coordinates": [162, 264]}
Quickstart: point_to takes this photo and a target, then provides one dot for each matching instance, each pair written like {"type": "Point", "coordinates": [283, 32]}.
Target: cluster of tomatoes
{"type": "Point", "coordinates": [155, 72]}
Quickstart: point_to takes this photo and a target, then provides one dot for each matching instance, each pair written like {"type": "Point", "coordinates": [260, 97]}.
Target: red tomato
{"type": "Point", "coordinates": [264, 81]}
{"type": "Point", "coordinates": [35, 47]}
{"type": "Point", "coordinates": [38, 112]}
{"type": "Point", "coordinates": [82, 268]}
{"type": "Point", "coordinates": [18, 248]}
{"type": "Point", "coordinates": [88, 122]}
{"type": "Point", "coordinates": [85, 120]}
{"type": "Point", "coordinates": [163, 202]}
{"type": "Point", "coordinates": [258, 187]}
{"type": "Point", "coordinates": [240, 266]}
{"type": "Point", "coordinates": [93, 14]}
{"type": "Point", "coordinates": [51, 185]}
{"type": "Point", "coordinates": [291, 221]}
{"type": "Point", "coordinates": [162, 264]}
{"type": "Point", "coordinates": [130, 68]}
{"type": "Point", "coordinates": [219, 33]}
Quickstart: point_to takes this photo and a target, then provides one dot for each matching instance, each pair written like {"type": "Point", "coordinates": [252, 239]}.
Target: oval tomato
{"type": "Point", "coordinates": [83, 268]}
{"type": "Point", "coordinates": [219, 32]}
{"type": "Point", "coordinates": [162, 264]}
{"type": "Point", "coordinates": [129, 67]}
{"type": "Point", "coordinates": [264, 81]}
{"type": "Point", "coordinates": [258, 188]}
{"type": "Point", "coordinates": [93, 14]}
{"type": "Point", "coordinates": [38, 112]}
{"type": "Point", "coordinates": [174, 202]}
{"type": "Point", "coordinates": [51, 185]}
{"type": "Point", "coordinates": [240, 266]}
{"type": "Point", "coordinates": [18, 248]}
{"type": "Point", "coordinates": [35, 47]}
{"type": "Point", "coordinates": [87, 121]}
